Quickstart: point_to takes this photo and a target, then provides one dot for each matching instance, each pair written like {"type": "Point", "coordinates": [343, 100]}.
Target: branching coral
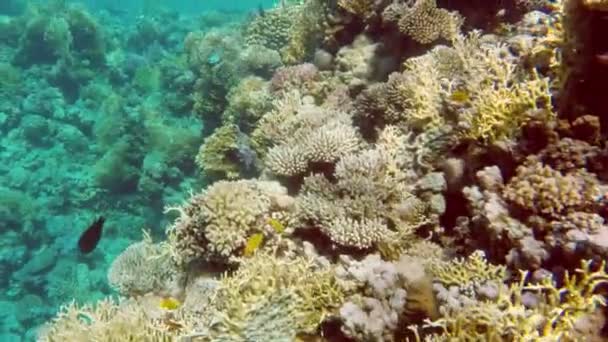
{"type": "Point", "coordinates": [286, 298]}
{"type": "Point", "coordinates": [461, 272]}
{"type": "Point", "coordinates": [475, 86]}
{"type": "Point", "coordinates": [310, 134]}
{"type": "Point", "coordinates": [527, 311]}
{"type": "Point", "coordinates": [273, 29]}
{"type": "Point", "coordinates": [106, 321]}
{"type": "Point", "coordinates": [215, 224]}
{"type": "Point", "coordinates": [360, 8]}
{"type": "Point", "coordinates": [370, 193]}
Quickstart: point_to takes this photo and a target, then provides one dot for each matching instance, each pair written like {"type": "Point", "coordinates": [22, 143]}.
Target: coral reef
{"type": "Point", "coordinates": [373, 171]}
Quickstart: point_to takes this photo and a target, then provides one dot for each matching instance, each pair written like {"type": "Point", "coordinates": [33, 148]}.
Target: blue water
{"type": "Point", "coordinates": [91, 127]}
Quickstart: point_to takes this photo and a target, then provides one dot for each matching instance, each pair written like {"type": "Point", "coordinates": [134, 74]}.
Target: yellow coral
{"type": "Point", "coordinates": [313, 292]}
{"type": "Point", "coordinates": [474, 268]}
{"type": "Point", "coordinates": [499, 111]}
{"type": "Point", "coordinates": [106, 321]}
{"type": "Point", "coordinates": [216, 155]}
{"type": "Point", "coordinates": [554, 318]}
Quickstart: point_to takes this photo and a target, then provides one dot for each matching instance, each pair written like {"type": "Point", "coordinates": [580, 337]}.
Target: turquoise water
{"type": "Point", "coordinates": [92, 122]}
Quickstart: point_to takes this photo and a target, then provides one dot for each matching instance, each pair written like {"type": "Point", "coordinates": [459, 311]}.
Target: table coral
{"type": "Point", "coordinates": [370, 193]}
{"type": "Point", "coordinates": [314, 135]}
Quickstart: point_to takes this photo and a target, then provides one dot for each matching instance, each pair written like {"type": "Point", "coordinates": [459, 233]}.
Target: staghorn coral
{"type": "Point", "coordinates": [290, 296]}
{"type": "Point", "coordinates": [462, 272]}
{"type": "Point", "coordinates": [462, 282]}
{"type": "Point", "coordinates": [475, 88]}
{"type": "Point", "coordinates": [528, 311]}
{"type": "Point", "coordinates": [423, 21]}
{"type": "Point", "coordinates": [215, 224]}
{"type": "Point", "coordinates": [499, 96]}
{"type": "Point", "coordinates": [105, 321]}
{"type": "Point", "coordinates": [381, 194]}
{"type": "Point", "coordinates": [360, 8]}
{"type": "Point", "coordinates": [412, 98]}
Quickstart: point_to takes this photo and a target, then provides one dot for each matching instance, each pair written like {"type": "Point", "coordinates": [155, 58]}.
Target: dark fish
{"type": "Point", "coordinates": [90, 237]}
{"type": "Point", "coordinates": [261, 11]}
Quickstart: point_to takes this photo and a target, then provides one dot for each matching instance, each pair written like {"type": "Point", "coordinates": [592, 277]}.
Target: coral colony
{"type": "Point", "coordinates": [342, 170]}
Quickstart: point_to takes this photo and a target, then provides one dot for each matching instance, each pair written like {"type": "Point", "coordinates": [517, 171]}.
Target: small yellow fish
{"type": "Point", "coordinates": [460, 96]}
{"type": "Point", "coordinates": [169, 303]}
{"type": "Point", "coordinates": [276, 225]}
{"type": "Point", "coordinates": [253, 243]}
